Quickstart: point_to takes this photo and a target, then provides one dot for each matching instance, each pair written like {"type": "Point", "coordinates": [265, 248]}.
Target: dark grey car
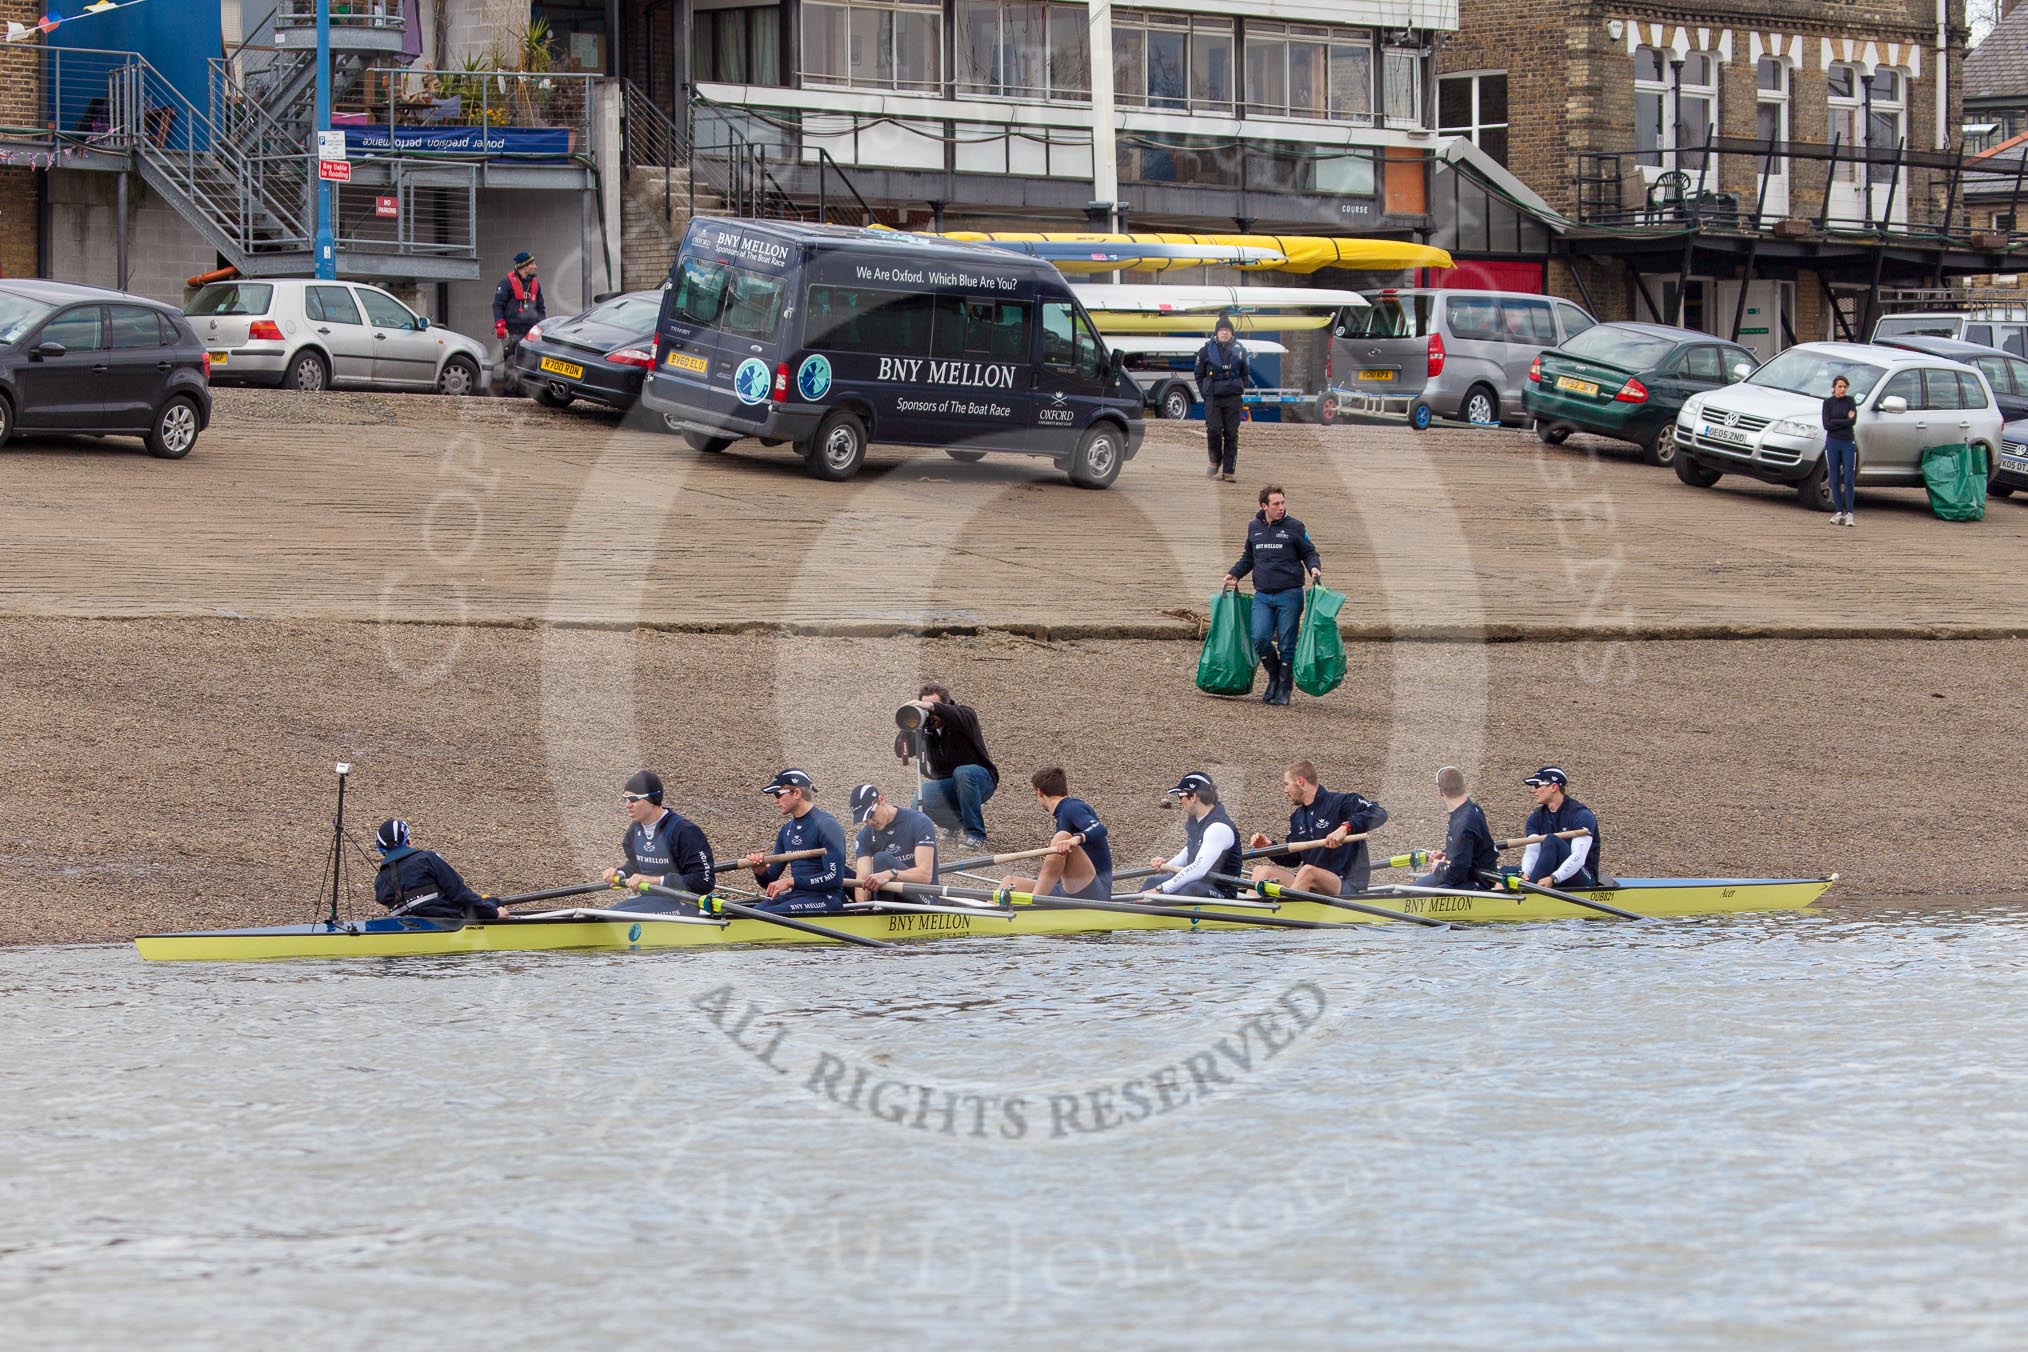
{"type": "Point", "coordinates": [80, 359]}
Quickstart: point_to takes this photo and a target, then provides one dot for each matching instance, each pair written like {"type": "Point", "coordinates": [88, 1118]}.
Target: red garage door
{"type": "Point", "coordinates": [1486, 275]}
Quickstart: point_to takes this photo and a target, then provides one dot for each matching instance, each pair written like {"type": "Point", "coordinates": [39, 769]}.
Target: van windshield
{"type": "Point", "coordinates": [1801, 371]}
{"type": "Point", "coordinates": [1387, 316]}
{"type": "Point", "coordinates": [232, 298]}
{"type": "Point", "coordinates": [734, 299]}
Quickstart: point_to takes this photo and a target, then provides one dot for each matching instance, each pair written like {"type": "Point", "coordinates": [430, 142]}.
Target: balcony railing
{"type": "Point", "coordinates": [501, 115]}
{"type": "Point", "coordinates": [344, 14]}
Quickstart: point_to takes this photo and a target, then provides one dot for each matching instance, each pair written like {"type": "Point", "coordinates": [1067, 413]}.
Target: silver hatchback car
{"type": "Point", "coordinates": [304, 334]}
{"type": "Point", "coordinates": [1770, 426]}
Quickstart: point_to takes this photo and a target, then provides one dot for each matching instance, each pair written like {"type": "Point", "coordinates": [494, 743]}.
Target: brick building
{"type": "Point", "coordinates": [1759, 171]}
{"type": "Point", "coordinates": [20, 106]}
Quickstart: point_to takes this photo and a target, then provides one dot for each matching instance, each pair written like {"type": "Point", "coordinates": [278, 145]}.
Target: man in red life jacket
{"type": "Point", "coordinates": [518, 306]}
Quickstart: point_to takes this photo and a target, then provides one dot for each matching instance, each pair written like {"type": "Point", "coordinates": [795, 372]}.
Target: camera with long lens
{"type": "Point", "coordinates": [912, 717]}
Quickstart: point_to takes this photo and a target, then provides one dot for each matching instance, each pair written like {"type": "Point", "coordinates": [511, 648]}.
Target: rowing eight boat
{"type": "Point", "coordinates": [606, 929]}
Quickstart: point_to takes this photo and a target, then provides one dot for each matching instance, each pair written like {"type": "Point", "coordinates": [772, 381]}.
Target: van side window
{"type": "Point", "coordinates": [994, 329]}
{"type": "Point", "coordinates": [1068, 342]}
{"type": "Point", "coordinates": [700, 291]}
{"type": "Point", "coordinates": [1575, 321]}
{"type": "Point", "coordinates": [1979, 333]}
{"type": "Point", "coordinates": [2014, 339]}
{"type": "Point", "coordinates": [1474, 317]}
{"type": "Point", "coordinates": [1527, 321]}
{"type": "Point", "coordinates": [859, 319]}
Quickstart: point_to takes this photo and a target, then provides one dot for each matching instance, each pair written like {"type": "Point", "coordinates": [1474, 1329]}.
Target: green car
{"type": "Point", "coordinates": [1628, 382]}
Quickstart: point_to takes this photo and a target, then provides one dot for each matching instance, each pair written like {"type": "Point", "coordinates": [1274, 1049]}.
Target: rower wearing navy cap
{"type": "Point", "coordinates": [1337, 868]}
{"type": "Point", "coordinates": [1080, 862]}
{"type": "Point", "coordinates": [1468, 851]}
{"type": "Point", "coordinates": [422, 882]}
{"type": "Point", "coordinates": [895, 844]}
{"type": "Point", "coordinates": [801, 886]}
{"type": "Point", "coordinates": [661, 847]}
{"type": "Point", "coordinates": [1210, 842]}
{"type": "Point", "coordinates": [1555, 862]}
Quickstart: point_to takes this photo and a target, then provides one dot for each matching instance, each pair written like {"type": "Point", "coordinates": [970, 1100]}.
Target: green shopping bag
{"type": "Point", "coordinates": [1225, 667]}
{"type": "Point", "coordinates": [1320, 652]}
{"type": "Point", "coordinates": [1955, 476]}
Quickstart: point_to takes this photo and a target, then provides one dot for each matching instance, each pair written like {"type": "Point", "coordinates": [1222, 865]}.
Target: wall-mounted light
{"type": "Point", "coordinates": [1615, 29]}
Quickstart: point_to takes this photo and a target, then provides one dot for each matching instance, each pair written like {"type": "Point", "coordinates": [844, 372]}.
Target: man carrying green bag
{"type": "Point", "coordinates": [1281, 558]}
{"type": "Point", "coordinates": [1225, 667]}
{"type": "Point", "coordinates": [1320, 652]}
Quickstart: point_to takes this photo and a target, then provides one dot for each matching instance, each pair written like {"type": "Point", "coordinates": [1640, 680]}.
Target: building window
{"type": "Point", "coordinates": [1475, 107]}
{"type": "Point", "coordinates": [1869, 113]}
{"type": "Point", "coordinates": [1401, 87]}
{"type": "Point", "coordinates": [1023, 48]}
{"type": "Point", "coordinates": [1294, 70]}
{"type": "Point", "coordinates": [737, 46]}
{"type": "Point", "coordinates": [1675, 106]}
{"type": "Point", "coordinates": [1173, 61]}
{"type": "Point", "coordinates": [1771, 109]}
{"type": "Point", "coordinates": [1886, 121]}
{"type": "Point", "coordinates": [877, 44]}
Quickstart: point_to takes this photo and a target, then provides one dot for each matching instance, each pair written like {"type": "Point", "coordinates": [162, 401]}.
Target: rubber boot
{"type": "Point", "coordinates": [1272, 664]}
{"type": "Point", "coordinates": [1287, 683]}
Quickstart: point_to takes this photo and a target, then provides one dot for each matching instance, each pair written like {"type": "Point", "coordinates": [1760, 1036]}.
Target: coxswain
{"type": "Point", "coordinates": [422, 882]}
{"type": "Point", "coordinates": [1341, 866]}
{"type": "Point", "coordinates": [894, 845]}
{"type": "Point", "coordinates": [662, 848]}
{"type": "Point", "coordinates": [1080, 861]}
{"type": "Point", "coordinates": [1554, 861]}
{"type": "Point", "coordinates": [801, 886]}
{"type": "Point", "coordinates": [1468, 842]}
{"type": "Point", "coordinates": [1210, 842]}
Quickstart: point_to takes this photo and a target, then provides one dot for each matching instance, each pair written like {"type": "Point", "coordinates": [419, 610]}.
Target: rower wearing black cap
{"type": "Point", "coordinates": [662, 848]}
{"type": "Point", "coordinates": [801, 886]}
{"type": "Point", "coordinates": [422, 882]}
{"type": "Point", "coordinates": [1556, 862]}
{"type": "Point", "coordinates": [895, 844]}
{"type": "Point", "coordinates": [1210, 842]}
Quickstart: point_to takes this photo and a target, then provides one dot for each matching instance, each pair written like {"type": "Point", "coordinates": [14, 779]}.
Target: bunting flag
{"type": "Point", "coordinates": [48, 23]}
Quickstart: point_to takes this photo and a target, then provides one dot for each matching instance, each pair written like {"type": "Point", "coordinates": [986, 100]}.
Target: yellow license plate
{"type": "Point", "coordinates": [218, 359]}
{"type": "Point", "coordinates": [685, 361]}
{"type": "Point", "coordinates": [563, 368]}
{"type": "Point", "coordinates": [1576, 386]}
{"type": "Point", "coordinates": [1376, 375]}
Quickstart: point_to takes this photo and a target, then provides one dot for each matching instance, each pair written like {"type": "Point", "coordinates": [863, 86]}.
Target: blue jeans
{"type": "Point", "coordinates": [1276, 615]}
{"type": "Point", "coordinates": [955, 803]}
{"type": "Point", "coordinates": [1841, 458]}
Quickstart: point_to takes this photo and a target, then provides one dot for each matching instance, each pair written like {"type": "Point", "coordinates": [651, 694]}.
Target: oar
{"type": "Point", "coordinates": [1261, 853]}
{"type": "Point", "coordinates": [961, 865]}
{"type": "Point", "coordinates": [715, 904]}
{"type": "Point", "coordinates": [1514, 882]}
{"type": "Point", "coordinates": [550, 894]}
{"type": "Point", "coordinates": [1421, 858]}
{"type": "Point", "coordinates": [1125, 907]}
{"type": "Point", "coordinates": [781, 858]}
{"type": "Point", "coordinates": [1270, 889]}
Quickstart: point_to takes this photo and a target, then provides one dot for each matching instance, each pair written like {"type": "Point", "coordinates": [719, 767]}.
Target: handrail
{"type": "Point", "coordinates": [826, 163]}
{"type": "Point", "coordinates": [232, 53]}
{"type": "Point", "coordinates": [356, 14]}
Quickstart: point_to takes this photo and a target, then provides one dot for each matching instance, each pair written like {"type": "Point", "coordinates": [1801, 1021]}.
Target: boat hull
{"type": "Point", "coordinates": [387, 938]}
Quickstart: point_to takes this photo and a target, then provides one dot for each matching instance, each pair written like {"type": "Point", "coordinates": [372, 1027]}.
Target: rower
{"type": "Point", "coordinates": [422, 882]}
{"type": "Point", "coordinates": [1554, 861]}
{"type": "Point", "coordinates": [1080, 861]}
{"type": "Point", "coordinates": [1210, 842]}
{"type": "Point", "coordinates": [1340, 867]}
{"type": "Point", "coordinates": [801, 886]}
{"type": "Point", "coordinates": [663, 848]}
{"type": "Point", "coordinates": [895, 844]}
{"type": "Point", "coordinates": [1468, 841]}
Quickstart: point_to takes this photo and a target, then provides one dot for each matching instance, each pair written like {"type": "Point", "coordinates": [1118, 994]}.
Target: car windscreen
{"type": "Point", "coordinates": [634, 313]}
{"type": "Point", "coordinates": [19, 314]}
{"type": "Point", "coordinates": [1911, 326]}
{"type": "Point", "coordinates": [1801, 371]}
{"type": "Point", "coordinates": [1385, 316]}
{"type": "Point", "coordinates": [232, 298]}
{"type": "Point", "coordinates": [1628, 348]}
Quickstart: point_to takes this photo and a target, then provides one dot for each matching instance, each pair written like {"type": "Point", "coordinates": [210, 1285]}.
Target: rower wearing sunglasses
{"type": "Point", "coordinates": [662, 847]}
{"type": "Point", "coordinates": [801, 886]}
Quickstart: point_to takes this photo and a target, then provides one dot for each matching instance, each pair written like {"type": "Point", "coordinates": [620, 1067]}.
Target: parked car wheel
{"type": "Point", "coordinates": [175, 429]}
{"type": "Point", "coordinates": [709, 445]}
{"type": "Point", "coordinates": [1992, 489]}
{"type": "Point", "coordinates": [1420, 416]}
{"type": "Point", "coordinates": [309, 371]}
{"type": "Point", "coordinates": [459, 377]}
{"type": "Point", "coordinates": [1481, 405]}
{"type": "Point", "coordinates": [965, 457]}
{"type": "Point", "coordinates": [1097, 462]}
{"type": "Point", "coordinates": [1695, 472]}
{"type": "Point", "coordinates": [839, 448]}
{"type": "Point", "coordinates": [549, 398]}
{"type": "Point", "coordinates": [6, 421]}
{"type": "Point", "coordinates": [1175, 403]}
{"type": "Point", "coordinates": [1660, 447]}
{"type": "Point", "coordinates": [1551, 434]}
{"type": "Point", "coordinates": [1814, 491]}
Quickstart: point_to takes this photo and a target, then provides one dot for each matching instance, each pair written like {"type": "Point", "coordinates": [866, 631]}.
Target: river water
{"type": "Point", "coordinates": [1771, 1131]}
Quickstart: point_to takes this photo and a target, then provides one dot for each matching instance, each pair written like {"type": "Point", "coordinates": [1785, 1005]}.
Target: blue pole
{"type": "Point", "coordinates": [327, 244]}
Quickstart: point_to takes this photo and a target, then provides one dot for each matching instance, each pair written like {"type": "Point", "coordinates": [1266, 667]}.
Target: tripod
{"type": "Point", "coordinates": [334, 861]}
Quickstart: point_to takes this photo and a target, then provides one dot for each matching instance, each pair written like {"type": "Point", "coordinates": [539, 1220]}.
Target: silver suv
{"type": "Point", "coordinates": [304, 334]}
{"type": "Point", "coordinates": [1453, 354]}
{"type": "Point", "coordinates": [1770, 426]}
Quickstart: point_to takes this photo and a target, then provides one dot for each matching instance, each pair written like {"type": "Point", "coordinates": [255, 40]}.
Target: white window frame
{"type": "Point", "coordinates": [1475, 125]}
{"type": "Point", "coordinates": [1411, 60]}
{"type": "Point", "coordinates": [1056, 85]}
{"type": "Point", "coordinates": [1333, 38]}
{"type": "Point", "coordinates": [915, 9]}
{"type": "Point", "coordinates": [1782, 101]}
{"type": "Point", "coordinates": [1673, 87]}
{"type": "Point", "coordinates": [1190, 25]}
{"type": "Point", "coordinates": [1895, 108]}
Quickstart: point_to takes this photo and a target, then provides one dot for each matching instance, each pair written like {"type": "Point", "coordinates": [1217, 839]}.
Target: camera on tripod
{"type": "Point", "coordinates": [913, 716]}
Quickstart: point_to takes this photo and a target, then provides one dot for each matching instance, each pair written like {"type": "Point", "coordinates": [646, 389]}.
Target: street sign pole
{"type": "Point", "coordinates": [326, 243]}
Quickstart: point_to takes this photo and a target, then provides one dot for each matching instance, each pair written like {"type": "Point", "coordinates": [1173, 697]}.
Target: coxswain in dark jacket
{"type": "Point", "coordinates": [422, 882]}
{"type": "Point", "coordinates": [1320, 814]}
{"type": "Point", "coordinates": [1555, 862]}
{"type": "Point", "coordinates": [1221, 367]}
{"type": "Point", "coordinates": [1468, 852]}
{"type": "Point", "coordinates": [802, 886]}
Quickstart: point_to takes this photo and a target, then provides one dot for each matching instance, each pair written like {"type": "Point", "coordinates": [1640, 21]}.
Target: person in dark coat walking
{"type": "Point", "coordinates": [1221, 380]}
{"type": "Point", "coordinates": [518, 305]}
{"type": "Point", "coordinates": [1280, 556]}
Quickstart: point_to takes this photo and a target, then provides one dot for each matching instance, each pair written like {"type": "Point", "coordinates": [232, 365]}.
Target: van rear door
{"type": "Point", "coordinates": [721, 326]}
{"type": "Point", "coordinates": [1072, 370]}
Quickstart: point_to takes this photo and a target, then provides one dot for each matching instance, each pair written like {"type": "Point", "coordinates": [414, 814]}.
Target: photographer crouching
{"type": "Point", "coordinates": [958, 775]}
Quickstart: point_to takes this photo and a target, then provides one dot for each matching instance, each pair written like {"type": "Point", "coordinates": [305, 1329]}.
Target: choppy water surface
{"type": "Point", "coordinates": [1766, 1131]}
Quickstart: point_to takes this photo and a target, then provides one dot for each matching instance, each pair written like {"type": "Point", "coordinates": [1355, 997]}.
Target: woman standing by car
{"type": "Point", "coordinates": [1841, 451]}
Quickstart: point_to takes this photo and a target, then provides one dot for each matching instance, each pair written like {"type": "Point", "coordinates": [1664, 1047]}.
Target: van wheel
{"type": "Point", "coordinates": [1481, 405]}
{"type": "Point", "coordinates": [1695, 472]}
{"type": "Point", "coordinates": [1814, 492]}
{"type": "Point", "coordinates": [709, 445]}
{"type": "Point", "coordinates": [1550, 433]}
{"type": "Point", "coordinates": [1175, 404]}
{"type": "Point", "coordinates": [965, 457]}
{"type": "Point", "coordinates": [1097, 462]}
{"type": "Point", "coordinates": [1660, 448]}
{"type": "Point", "coordinates": [839, 448]}
{"type": "Point", "coordinates": [309, 372]}
{"type": "Point", "coordinates": [175, 430]}
{"type": "Point", "coordinates": [1420, 416]}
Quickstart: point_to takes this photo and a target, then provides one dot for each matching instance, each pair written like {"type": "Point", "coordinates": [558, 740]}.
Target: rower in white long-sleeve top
{"type": "Point", "coordinates": [1211, 842]}
{"type": "Point", "coordinates": [1556, 862]}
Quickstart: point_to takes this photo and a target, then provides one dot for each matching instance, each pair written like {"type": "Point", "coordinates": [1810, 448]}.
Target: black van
{"type": "Point", "coordinates": [827, 338]}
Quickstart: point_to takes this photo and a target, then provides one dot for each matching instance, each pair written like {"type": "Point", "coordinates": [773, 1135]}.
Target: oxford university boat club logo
{"type": "Point", "coordinates": [813, 377]}
{"type": "Point", "coordinates": [752, 382]}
